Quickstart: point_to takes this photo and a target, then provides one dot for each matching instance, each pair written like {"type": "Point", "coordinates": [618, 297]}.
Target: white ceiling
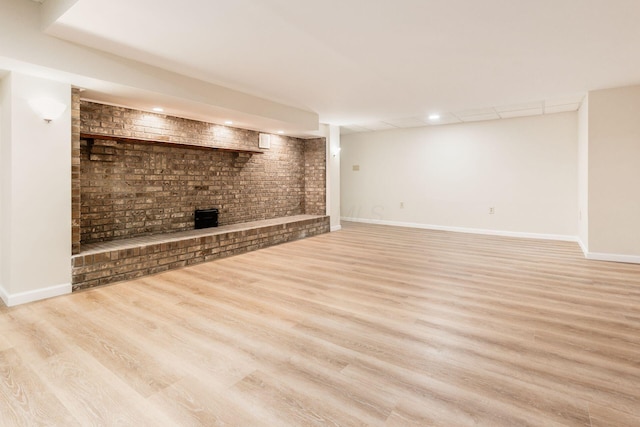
{"type": "Point", "coordinates": [550, 106]}
{"type": "Point", "coordinates": [379, 64]}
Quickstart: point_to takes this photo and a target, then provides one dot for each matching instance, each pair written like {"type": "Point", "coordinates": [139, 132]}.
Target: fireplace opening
{"type": "Point", "coordinates": [205, 218]}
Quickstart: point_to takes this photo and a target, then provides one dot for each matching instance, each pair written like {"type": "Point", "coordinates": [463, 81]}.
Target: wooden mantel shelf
{"type": "Point", "coordinates": [91, 136]}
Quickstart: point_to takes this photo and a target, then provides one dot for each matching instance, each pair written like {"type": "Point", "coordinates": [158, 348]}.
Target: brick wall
{"type": "Point", "coordinates": [315, 177]}
{"type": "Point", "coordinates": [75, 171]}
{"type": "Point", "coordinates": [118, 121]}
{"type": "Point", "coordinates": [112, 265]}
{"type": "Point", "coordinates": [132, 189]}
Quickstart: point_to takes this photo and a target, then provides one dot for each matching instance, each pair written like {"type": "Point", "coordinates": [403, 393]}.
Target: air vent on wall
{"type": "Point", "coordinates": [265, 141]}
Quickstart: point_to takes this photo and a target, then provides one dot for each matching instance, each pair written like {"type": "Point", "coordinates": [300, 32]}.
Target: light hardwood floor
{"type": "Point", "coordinates": [371, 325]}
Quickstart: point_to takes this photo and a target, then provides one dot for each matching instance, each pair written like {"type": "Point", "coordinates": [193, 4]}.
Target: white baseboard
{"type": "Point", "coordinates": [336, 227]}
{"type": "Point", "coordinates": [561, 237]}
{"type": "Point", "coordinates": [35, 295]}
{"type": "Point", "coordinates": [4, 296]}
{"type": "Point", "coordinates": [629, 259]}
{"type": "Point", "coordinates": [585, 251]}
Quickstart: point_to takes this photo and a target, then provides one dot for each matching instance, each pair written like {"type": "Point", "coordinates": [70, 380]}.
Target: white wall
{"type": "Point", "coordinates": [449, 176]}
{"type": "Point", "coordinates": [614, 174]}
{"type": "Point", "coordinates": [5, 134]}
{"type": "Point", "coordinates": [334, 176]}
{"type": "Point", "coordinates": [332, 134]}
{"type": "Point", "coordinates": [36, 195]}
{"type": "Point", "coordinates": [583, 175]}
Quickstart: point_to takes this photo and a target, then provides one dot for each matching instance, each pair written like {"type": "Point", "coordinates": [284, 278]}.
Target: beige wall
{"type": "Point", "coordinates": [332, 135]}
{"type": "Point", "coordinates": [5, 135]}
{"type": "Point", "coordinates": [526, 168]}
{"type": "Point", "coordinates": [614, 171]}
{"type": "Point", "coordinates": [36, 192]}
{"type": "Point", "coordinates": [583, 175]}
{"type": "Point", "coordinates": [333, 160]}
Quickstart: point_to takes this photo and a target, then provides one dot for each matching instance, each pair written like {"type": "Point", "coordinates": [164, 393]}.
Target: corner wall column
{"type": "Point", "coordinates": [36, 192]}
{"type": "Point", "coordinates": [75, 171]}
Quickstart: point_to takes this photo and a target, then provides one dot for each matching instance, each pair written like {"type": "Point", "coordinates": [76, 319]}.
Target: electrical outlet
{"type": "Point", "coordinates": [492, 210]}
{"type": "Point", "coordinates": [401, 205]}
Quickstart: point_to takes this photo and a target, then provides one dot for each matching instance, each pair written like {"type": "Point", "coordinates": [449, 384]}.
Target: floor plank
{"type": "Point", "coordinates": [371, 325]}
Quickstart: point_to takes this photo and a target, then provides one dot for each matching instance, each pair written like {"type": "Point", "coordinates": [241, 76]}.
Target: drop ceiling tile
{"type": "Point", "coordinates": [565, 100]}
{"type": "Point", "coordinates": [494, 113]}
{"type": "Point", "coordinates": [345, 131]}
{"type": "Point", "coordinates": [561, 108]}
{"type": "Point", "coordinates": [480, 117]}
{"type": "Point", "coordinates": [409, 122]}
{"type": "Point", "coordinates": [521, 113]}
{"type": "Point", "coordinates": [445, 119]}
{"type": "Point", "coordinates": [353, 129]}
{"type": "Point", "coordinates": [476, 112]}
{"type": "Point", "coordinates": [379, 126]}
{"type": "Point", "coordinates": [520, 107]}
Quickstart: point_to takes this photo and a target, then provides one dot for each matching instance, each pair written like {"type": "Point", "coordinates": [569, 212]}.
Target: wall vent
{"type": "Point", "coordinates": [265, 141]}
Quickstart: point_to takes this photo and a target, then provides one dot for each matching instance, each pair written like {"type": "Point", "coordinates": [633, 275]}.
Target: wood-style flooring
{"type": "Point", "coordinates": [371, 325]}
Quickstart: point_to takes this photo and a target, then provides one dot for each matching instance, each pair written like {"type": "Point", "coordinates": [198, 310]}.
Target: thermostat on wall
{"type": "Point", "coordinates": [264, 141]}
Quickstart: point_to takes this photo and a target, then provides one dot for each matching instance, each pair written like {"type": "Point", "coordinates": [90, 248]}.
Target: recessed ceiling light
{"type": "Point", "coordinates": [280, 132]}
{"type": "Point", "coordinates": [158, 109]}
{"type": "Point", "coordinates": [434, 116]}
{"type": "Point", "coordinates": [228, 122]}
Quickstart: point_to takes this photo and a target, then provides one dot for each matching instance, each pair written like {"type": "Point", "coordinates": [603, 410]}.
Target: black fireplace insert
{"type": "Point", "coordinates": [205, 218]}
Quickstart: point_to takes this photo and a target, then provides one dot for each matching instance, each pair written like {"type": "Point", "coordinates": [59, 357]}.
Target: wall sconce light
{"type": "Point", "coordinates": [47, 108]}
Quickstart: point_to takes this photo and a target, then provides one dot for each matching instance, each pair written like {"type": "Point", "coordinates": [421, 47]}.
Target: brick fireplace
{"type": "Point", "coordinates": [144, 174]}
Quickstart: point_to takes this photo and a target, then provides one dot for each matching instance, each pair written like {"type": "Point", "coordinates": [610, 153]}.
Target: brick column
{"type": "Point", "coordinates": [75, 171]}
{"type": "Point", "coordinates": [315, 202]}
